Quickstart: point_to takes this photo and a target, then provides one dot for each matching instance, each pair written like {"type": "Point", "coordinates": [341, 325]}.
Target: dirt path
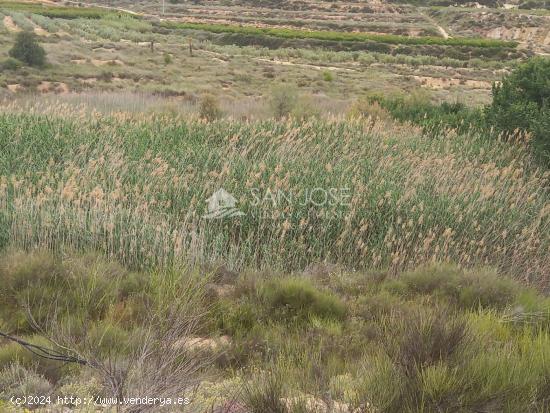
{"type": "Point", "coordinates": [278, 62]}
{"type": "Point", "coordinates": [440, 29]}
{"type": "Point", "coordinates": [102, 6]}
{"type": "Point", "coordinates": [39, 31]}
{"type": "Point", "coordinates": [308, 66]}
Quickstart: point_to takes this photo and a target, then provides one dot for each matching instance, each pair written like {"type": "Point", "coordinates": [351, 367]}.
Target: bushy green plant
{"type": "Point", "coordinates": [485, 288]}
{"type": "Point", "coordinates": [235, 318]}
{"type": "Point", "coordinates": [521, 104]}
{"type": "Point", "coordinates": [467, 289]}
{"type": "Point", "coordinates": [46, 23]}
{"type": "Point", "coordinates": [328, 76]}
{"type": "Point", "coordinates": [435, 119]}
{"type": "Point", "coordinates": [10, 64]}
{"type": "Point", "coordinates": [27, 50]}
{"type": "Point", "coordinates": [298, 299]}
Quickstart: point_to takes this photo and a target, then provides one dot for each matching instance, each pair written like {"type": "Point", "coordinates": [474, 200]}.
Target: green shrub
{"type": "Point", "coordinates": [433, 118]}
{"type": "Point", "coordinates": [235, 318]}
{"type": "Point", "coordinates": [379, 306]}
{"type": "Point", "coordinates": [485, 288]}
{"type": "Point", "coordinates": [521, 104]}
{"type": "Point", "coordinates": [106, 76]}
{"type": "Point", "coordinates": [27, 50]}
{"type": "Point", "coordinates": [297, 299]}
{"type": "Point", "coordinates": [108, 338]}
{"type": "Point", "coordinates": [466, 289]}
{"type": "Point", "coordinates": [10, 64]}
{"type": "Point", "coordinates": [328, 76]}
{"type": "Point", "coordinates": [433, 279]}
{"type": "Point", "coordinates": [499, 380]}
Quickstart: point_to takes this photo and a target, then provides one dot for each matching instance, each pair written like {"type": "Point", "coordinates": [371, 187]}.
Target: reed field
{"type": "Point", "coordinates": [385, 196]}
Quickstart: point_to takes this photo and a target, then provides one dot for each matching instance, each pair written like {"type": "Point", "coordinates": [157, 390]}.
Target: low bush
{"type": "Point", "coordinates": [486, 289]}
{"type": "Point", "coordinates": [295, 299]}
{"type": "Point", "coordinates": [10, 64]}
{"type": "Point", "coordinates": [235, 317]}
{"type": "Point", "coordinates": [367, 108]}
{"type": "Point", "coordinates": [328, 76]}
{"type": "Point", "coordinates": [438, 339]}
{"type": "Point", "coordinates": [466, 289]}
{"type": "Point", "coordinates": [435, 119]}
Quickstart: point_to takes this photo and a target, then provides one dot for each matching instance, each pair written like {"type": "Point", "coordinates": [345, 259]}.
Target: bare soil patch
{"type": "Point", "coordinates": [10, 24]}
{"type": "Point", "coordinates": [14, 88]}
{"type": "Point", "coordinates": [39, 31]}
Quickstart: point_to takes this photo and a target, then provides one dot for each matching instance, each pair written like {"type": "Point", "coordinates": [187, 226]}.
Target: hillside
{"type": "Point", "coordinates": [399, 47]}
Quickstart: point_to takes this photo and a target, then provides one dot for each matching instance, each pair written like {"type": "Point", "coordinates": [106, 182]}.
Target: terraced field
{"type": "Point", "coordinates": [361, 49]}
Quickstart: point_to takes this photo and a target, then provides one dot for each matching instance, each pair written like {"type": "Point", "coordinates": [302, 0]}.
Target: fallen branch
{"type": "Point", "coordinates": [44, 352]}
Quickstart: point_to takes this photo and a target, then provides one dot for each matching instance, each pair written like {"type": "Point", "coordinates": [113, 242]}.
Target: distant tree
{"type": "Point", "coordinates": [209, 108]}
{"type": "Point", "coordinates": [27, 50]}
{"type": "Point", "coordinates": [521, 104]}
{"type": "Point", "coordinates": [283, 101]}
